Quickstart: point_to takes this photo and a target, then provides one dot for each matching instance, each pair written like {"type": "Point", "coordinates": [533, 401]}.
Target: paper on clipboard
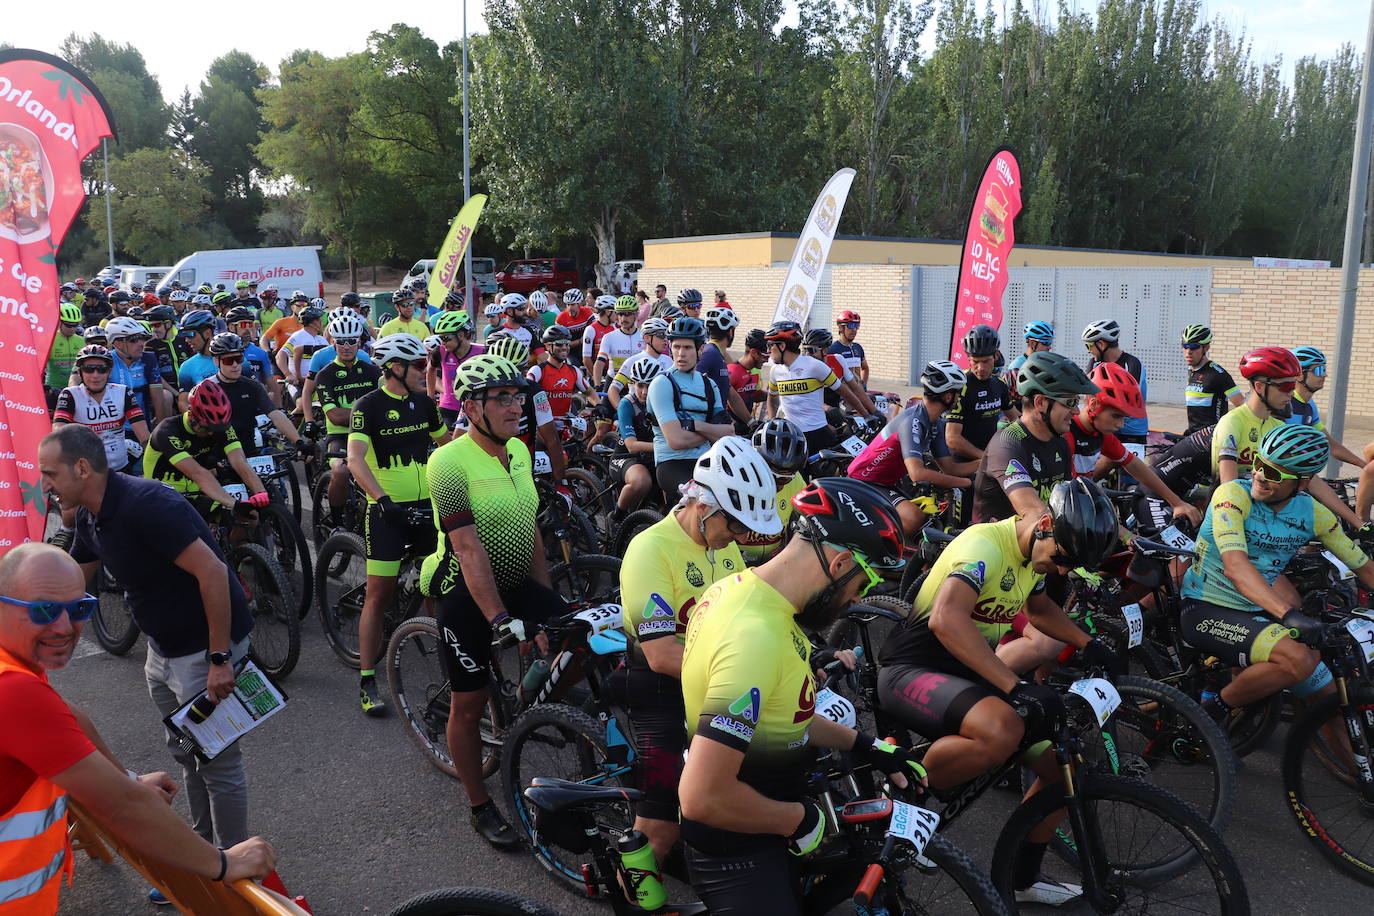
{"type": "Point", "coordinates": [255, 700]}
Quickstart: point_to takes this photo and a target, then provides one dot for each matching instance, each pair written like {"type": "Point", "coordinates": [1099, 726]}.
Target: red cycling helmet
{"type": "Point", "coordinates": [1119, 390]}
{"type": "Point", "coordinates": [210, 405]}
{"type": "Point", "coordinates": [151, 299]}
{"type": "Point", "coordinates": [1270, 362]}
{"type": "Point", "coordinates": [846, 316]}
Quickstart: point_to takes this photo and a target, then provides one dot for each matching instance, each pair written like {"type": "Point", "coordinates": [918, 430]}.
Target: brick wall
{"type": "Point", "coordinates": [1294, 308]}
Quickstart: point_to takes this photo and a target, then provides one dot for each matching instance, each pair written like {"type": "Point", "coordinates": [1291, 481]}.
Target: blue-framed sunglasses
{"type": "Point", "coordinates": [43, 613]}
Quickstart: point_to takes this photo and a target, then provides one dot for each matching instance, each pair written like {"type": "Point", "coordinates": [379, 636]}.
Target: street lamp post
{"type": "Point", "coordinates": [467, 173]}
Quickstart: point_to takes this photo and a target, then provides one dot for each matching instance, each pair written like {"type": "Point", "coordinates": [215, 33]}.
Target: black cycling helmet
{"type": "Point", "coordinates": [556, 333]}
{"type": "Point", "coordinates": [454, 299]}
{"type": "Point", "coordinates": [689, 297]}
{"type": "Point", "coordinates": [782, 444]}
{"type": "Point", "coordinates": [1085, 522]}
{"type": "Point", "coordinates": [160, 313]}
{"type": "Point", "coordinates": [687, 328]}
{"type": "Point", "coordinates": [1053, 375]}
{"type": "Point", "coordinates": [239, 313]}
{"type": "Point", "coordinates": [851, 515]}
{"type": "Point", "coordinates": [818, 337]}
{"type": "Point", "coordinates": [981, 340]}
{"type": "Point", "coordinates": [755, 340]}
{"type": "Point", "coordinates": [119, 296]}
{"type": "Point", "coordinates": [350, 300]}
{"type": "Point", "coordinates": [310, 313]}
{"type": "Point", "coordinates": [225, 344]}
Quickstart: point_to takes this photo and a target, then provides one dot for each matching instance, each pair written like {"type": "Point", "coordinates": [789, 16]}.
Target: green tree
{"type": "Point", "coordinates": [121, 74]}
{"type": "Point", "coordinates": [159, 201]}
{"type": "Point", "coordinates": [226, 123]}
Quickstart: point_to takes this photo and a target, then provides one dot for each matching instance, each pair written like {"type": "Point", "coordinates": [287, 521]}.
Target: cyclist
{"type": "Point", "coordinates": [1025, 459]}
{"type": "Point", "coordinates": [972, 421]}
{"type": "Point", "coordinates": [454, 330]}
{"type": "Point", "coordinates": [494, 315]}
{"type": "Point", "coordinates": [247, 397]}
{"type": "Point", "coordinates": [136, 368]}
{"type": "Point", "coordinates": [1235, 602]}
{"type": "Point", "coordinates": [942, 677]}
{"type": "Point", "coordinates": [795, 385]}
{"type": "Point", "coordinates": [1312, 362]}
{"type": "Point", "coordinates": [406, 320]}
{"type": "Point", "coordinates": [558, 377]}
{"type": "Point", "coordinates": [816, 344]}
{"type": "Point", "coordinates": [488, 569]}
{"type": "Point", "coordinates": [749, 696]}
{"type": "Point", "coordinates": [162, 322]}
{"type": "Point", "coordinates": [685, 408]}
{"type": "Point", "coordinates": [1211, 390]}
{"type": "Point", "coordinates": [655, 334]}
{"type": "Point", "coordinates": [337, 387]}
{"type": "Point", "coordinates": [666, 569]}
{"type": "Point", "coordinates": [119, 306]}
{"type": "Point", "coordinates": [575, 318]}
{"type": "Point", "coordinates": [303, 343]}
{"type": "Point", "coordinates": [849, 350]}
{"type": "Point", "coordinates": [1103, 340]}
{"type": "Point", "coordinates": [271, 311]}
{"type": "Point", "coordinates": [619, 344]}
{"type": "Point", "coordinates": [632, 466]}
{"type": "Point", "coordinates": [389, 439]}
{"type": "Point", "coordinates": [104, 406]}
{"type": "Point", "coordinates": [900, 448]}
{"type": "Point", "coordinates": [193, 335]}
{"type": "Point", "coordinates": [184, 450]}
{"type": "Point", "coordinates": [744, 373]}
{"type": "Point", "coordinates": [783, 447]}
{"type": "Point", "coordinates": [537, 428]}
{"type": "Point", "coordinates": [1187, 464]}
{"type": "Point", "coordinates": [541, 311]}
{"type": "Point", "coordinates": [515, 306]}
{"type": "Point", "coordinates": [66, 343]}
{"type": "Point", "coordinates": [1039, 339]}
{"type": "Point", "coordinates": [715, 356]}
{"type": "Point", "coordinates": [277, 333]}
{"type": "Point", "coordinates": [602, 325]}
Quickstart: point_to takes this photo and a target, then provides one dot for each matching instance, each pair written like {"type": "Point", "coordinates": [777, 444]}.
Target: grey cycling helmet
{"type": "Point", "coordinates": [782, 444]}
{"type": "Point", "coordinates": [1107, 329]}
{"type": "Point", "coordinates": [941, 376]}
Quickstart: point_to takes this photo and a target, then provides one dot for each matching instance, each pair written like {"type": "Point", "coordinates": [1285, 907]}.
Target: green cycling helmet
{"type": "Point", "coordinates": [508, 348]}
{"type": "Point", "coordinates": [1297, 448]}
{"type": "Point", "coordinates": [1053, 375]}
{"type": "Point", "coordinates": [69, 313]}
{"type": "Point", "coordinates": [626, 304]}
{"type": "Point", "coordinates": [1198, 334]}
{"type": "Point", "coordinates": [483, 372]}
{"type": "Point", "coordinates": [452, 323]}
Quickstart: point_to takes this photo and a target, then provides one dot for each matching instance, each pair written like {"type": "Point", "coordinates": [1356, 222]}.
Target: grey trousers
{"type": "Point", "coordinates": [216, 791]}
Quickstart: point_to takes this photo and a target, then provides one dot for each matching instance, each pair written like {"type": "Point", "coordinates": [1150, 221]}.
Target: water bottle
{"type": "Point", "coordinates": [534, 678]}
{"type": "Point", "coordinates": [641, 870]}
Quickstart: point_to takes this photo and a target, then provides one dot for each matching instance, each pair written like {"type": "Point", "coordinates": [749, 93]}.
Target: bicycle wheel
{"type": "Point", "coordinates": [945, 880]}
{"type": "Point", "coordinates": [292, 482]}
{"type": "Point", "coordinates": [470, 901]}
{"type": "Point", "coordinates": [112, 621]}
{"type": "Point", "coordinates": [590, 493]}
{"type": "Point", "coordinates": [552, 739]}
{"type": "Point", "coordinates": [575, 527]}
{"type": "Point", "coordinates": [340, 589]}
{"type": "Point", "coordinates": [631, 525]}
{"type": "Point", "coordinates": [1143, 835]}
{"type": "Point", "coordinates": [281, 534]}
{"type": "Point", "coordinates": [1322, 781]}
{"type": "Point", "coordinates": [590, 578]}
{"type": "Point", "coordinates": [276, 625]}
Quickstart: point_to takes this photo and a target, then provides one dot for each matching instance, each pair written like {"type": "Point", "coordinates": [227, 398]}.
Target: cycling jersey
{"type": "Point", "coordinates": [338, 385]}
{"type": "Point", "coordinates": [61, 358]}
{"type": "Point", "coordinates": [398, 431]}
{"type": "Point", "coordinates": [169, 358]}
{"type": "Point", "coordinates": [836, 365]}
{"type": "Point", "coordinates": [746, 382]}
{"type": "Point", "coordinates": [681, 396]}
{"type": "Point", "coordinates": [559, 384]}
{"type": "Point", "coordinates": [1187, 463]}
{"type": "Point", "coordinates": [269, 316]}
{"type": "Point", "coordinates": [468, 486]}
{"type": "Point", "coordinates": [1134, 427]}
{"type": "Point", "coordinates": [633, 420]}
{"type": "Point", "coordinates": [851, 354]}
{"type": "Point", "coordinates": [910, 434]}
{"type": "Point", "coordinates": [248, 400]}
{"type": "Point", "coordinates": [1015, 458]}
{"type": "Point", "coordinates": [138, 377]}
{"type": "Point", "coordinates": [194, 370]}
{"type": "Point", "coordinates": [617, 346]}
{"type": "Point", "coordinates": [414, 325]}
{"type": "Point", "coordinates": [712, 364]}
{"type": "Point", "coordinates": [447, 363]}
{"type": "Point", "coordinates": [1305, 413]}
{"type": "Point", "coordinates": [173, 441]}
{"type": "Point", "coordinates": [305, 342]}
{"type": "Point", "coordinates": [592, 336]}
{"type": "Point", "coordinates": [755, 548]}
{"type": "Point", "coordinates": [747, 684]}
{"type": "Point", "coordinates": [576, 324]}
{"type": "Point", "coordinates": [798, 388]}
{"type": "Point", "coordinates": [1237, 436]}
{"type": "Point", "coordinates": [1208, 395]}
{"type": "Point", "coordinates": [257, 365]}
{"type": "Point", "coordinates": [663, 575]}
{"type": "Point", "coordinates": [986, 558]}
{"type": "Point", "coordinates": [1087, 446]}
{"type": "Point", "coordinates": [522, 334]}
{"type": "Point", "coordinates": [621, 380]}
{"type": "Point", "coordinates": [105, 414]}
{"type": "Point", "coordinates": [980, 405]}
{"type": "Point", "coordinates": [535, 414]}
{"type": "Point", "coordinates": [1269, 535]}
{"type": "Point", "coordinates": [277, 334]}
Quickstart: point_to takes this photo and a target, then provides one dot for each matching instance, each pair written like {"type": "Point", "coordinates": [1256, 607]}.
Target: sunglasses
{"type": "Point", "coordinates": [420, 365]}
{"type": "Point", "coordinates": [69, 326]}
{"type": "Point", "coordinates": [1192, 346]}
{"type": "Point", "coordinates": [446, 338]}
{"type": "Point", "coordinates": [42, 613]}
{"type": "Point", "coordinates": [1271, 474]}
{"type": "Point", "coordinates": [1318, 371]}
{"type": "Point", "coordinates": [345, 341]}
{"type": "Point", "coordinates": [505, 399]}
{"type": "Point", "coordinates": [97, 367]}
{"type": "Point", "coordinates": [1282, 386]}
{"type": "Point", "coordinates": [853, 325]}
{"type": "Point", "coordinates": [733, 525]}
{"type": "Point", "coordinates": [1063, 562]}
{"type": "Point", "coordinates": [231, 360]}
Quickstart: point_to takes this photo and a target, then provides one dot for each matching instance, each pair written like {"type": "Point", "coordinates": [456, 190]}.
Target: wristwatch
{"type": "Point", "coordinates": [219, 658]}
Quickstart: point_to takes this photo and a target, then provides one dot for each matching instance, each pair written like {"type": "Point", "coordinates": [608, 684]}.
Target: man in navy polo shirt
{"type": "Point", "coordinates": [182, 594]}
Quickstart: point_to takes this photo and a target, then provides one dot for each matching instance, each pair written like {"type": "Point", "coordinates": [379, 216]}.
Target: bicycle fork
{"type": "Point", "coordinates": [1089, 842]}
{"type": "Point", "coordinates": [1359, 744]}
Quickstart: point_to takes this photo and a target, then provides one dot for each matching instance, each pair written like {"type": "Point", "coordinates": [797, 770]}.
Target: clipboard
{"type": "Point", "coordinates": [256, 698]}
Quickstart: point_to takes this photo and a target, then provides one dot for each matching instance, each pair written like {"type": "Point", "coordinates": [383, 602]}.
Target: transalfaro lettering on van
{"type": "Point", "coordinates": [262, 273]}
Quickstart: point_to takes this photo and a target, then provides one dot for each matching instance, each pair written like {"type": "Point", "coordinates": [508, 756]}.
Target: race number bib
{"type": "Point", "coordinates": [835, 708]}
{"type": "Point", "coordinates": [1100, 694]}
{"type": "Point", "coordinates": [1358, 627]}
{"type": "Point", "coordinates": [236, 491]}
{"type": "Point", "coordinates": [1177, 539]}
{"type": "Point", "coordinates": [853, 445]}
{"type": "Point", "coordinates": [601, 618]}
{"type": "Point", "coordinates": [263, 465]}
{"type": "Point", "coordinates": [913, 824]}
{"type": "Point", "coordinates": [1135, 624]}
{"type": "Point", "coordinates": [542, 463]}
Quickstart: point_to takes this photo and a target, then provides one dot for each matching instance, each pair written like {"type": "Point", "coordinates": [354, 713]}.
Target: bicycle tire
{"type": "Point", "coordinates": [1251, 726]}
{"type": "Point", "coordinates": [590, 492]}
{"type": "Point", "coordinates": [340, 589]}
{"type": "Point", "coordinates": [1300, 770]}
{"type": "Point", "coordinates": [293, 490]}
{"type": "Point", "coordinates": [423, 701]}
{"type": "Point", "coordinates": [470, 901]}
{"type": "Point", "coordinates": [269, 598]}
{"type": "Point", "coordinates": [591, 763]}
{"type": "Point", "coordinates": [325, 521]}
{"type": "Point", "coordinates": [113, 621]}
{"type": "Point", "coordinates": [591, 578]}
{"type": "Point", "coordinates": [1208, 853]}
{"type": "Point", "coordinates": [289, 549]}
{"type": "Point", "coordinates": [631, 525]}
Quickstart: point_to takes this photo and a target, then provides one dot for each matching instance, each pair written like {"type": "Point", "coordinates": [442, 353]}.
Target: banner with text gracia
{"type": "Point", "coordinates": [51, 118]}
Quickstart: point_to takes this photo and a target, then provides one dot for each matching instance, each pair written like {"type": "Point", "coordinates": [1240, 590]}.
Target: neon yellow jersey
{"type": "Point", "coordinates": [988, 559]}
{"type": "Point", "coordinates": [663, 575]}
{"type": "Point", "coordinates": [1237, 437]}
{"type": "Point", "coordinates": [747, 683]}
{"type": "Point", "coordinates": [758, 547]}
{"type": "Point", "coordinates": [401, 326]}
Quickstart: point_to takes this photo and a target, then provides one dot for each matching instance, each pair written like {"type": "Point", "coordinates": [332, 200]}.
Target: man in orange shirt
{"type": "Point", "coordinates": [275, 337]}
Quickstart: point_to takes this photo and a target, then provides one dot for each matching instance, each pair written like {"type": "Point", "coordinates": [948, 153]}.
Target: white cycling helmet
{"type": "Point", "coordinates": [202, 301]}
{"type": "Point", "coordinates": [513, 301]}
{"type": "Point", "coordinates": [1106, 329]}
{"type": "Point", "coordinates": [319, 303]}
{"type": "Point", "coordinates": [720, 319]}
{"type": "Point", "coordinates": [398, 346]}
{"type": "Point", "coordinates": [741, 482]}
{"type": "Point", "coordinates": [119, 328]}
{"type": "Point", "coordinates": [605, 302]}
{"type": "Point", "coordinates": [493, 309]}
{"type": "Point", "coordinates": [941, 376]}
{"type": "Point", "coordinates": [539, 299]}
{"type": "Point", "coordinates": [346, 323]}
{"type": "Point", "coordinates": [432, 342]}
{"type": "Point", "coordinates": [179, 295]}
{"type": "Point", "coordinates": [656, 327]}
{"type": "Point", "coordinates": [572, 297]}
{"type": "Point", "coordinates": [643, 368]}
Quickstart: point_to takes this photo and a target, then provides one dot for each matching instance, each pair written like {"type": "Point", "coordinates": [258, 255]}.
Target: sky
{"type": "Point", "coordinates": [179, 40]}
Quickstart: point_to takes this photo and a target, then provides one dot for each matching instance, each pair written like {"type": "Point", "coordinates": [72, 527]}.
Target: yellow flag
{"type": "Point", "coordinates": [445, 274]}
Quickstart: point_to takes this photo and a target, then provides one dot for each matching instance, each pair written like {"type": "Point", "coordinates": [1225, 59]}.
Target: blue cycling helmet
{"type": "Point", "coordinates": [1309, 357]}
{"type": "Point", "coordinates": [1042, 331]}
{"type": "Point", "coordinates": [1298, 449]}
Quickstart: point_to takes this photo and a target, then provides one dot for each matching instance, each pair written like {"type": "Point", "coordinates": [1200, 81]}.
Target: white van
{"type": "Point", "coordinates": [132, 276]}
{"type": "Point", "coordinates": [483, 272]}
{"type": "Point", "coordinates": [290, 269]}
{"type": "Point", "coordinates": [421, 271]}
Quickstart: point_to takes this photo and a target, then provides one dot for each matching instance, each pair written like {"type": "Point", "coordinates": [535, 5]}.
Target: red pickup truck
{"type": "Point", "coordinates": [525, 276]}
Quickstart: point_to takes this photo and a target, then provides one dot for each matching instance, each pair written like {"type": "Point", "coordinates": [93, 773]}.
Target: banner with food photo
{"type": "Point", "coordinates": [813, 249]}
{"type": "Point", "coordinates": [988, 243]}
{"type": "Point", "coordinates": [51, 118]}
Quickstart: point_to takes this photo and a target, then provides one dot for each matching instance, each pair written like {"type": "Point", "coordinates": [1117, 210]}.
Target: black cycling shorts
{"type": "Point", "coordinates": [929, 701]}
{"type": "Point", "coordinates": [336, 442]}
{"type": "Point", "coordinates": [763, 880]}
{"type": "Point", "coordinates": [466, 634]}
{"type": "Point", "coordinates": [449, 416]}
{"type": "Point", "coordinates": [621, 464]}
{"type": "Point", "coordinates": [654, 702]}
{"type": "Point", "coordinates": [671, 475]}
{"type": "Point", "coordinates": [1236, 637]}
{"type": "Point", "coordinates": [387, 544]}
{"type": "Point", "coordinates": [819, 438]}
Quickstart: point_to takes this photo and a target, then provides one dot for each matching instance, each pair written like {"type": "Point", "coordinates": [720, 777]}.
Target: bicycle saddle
{"type": "Point", "coordinates": [558, 795]}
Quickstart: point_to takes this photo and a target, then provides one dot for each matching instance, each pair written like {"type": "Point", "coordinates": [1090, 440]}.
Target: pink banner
{"type": "Point", "coordinates": [51, 118]}
{"type": "Point", "coordinates": [987, 249]}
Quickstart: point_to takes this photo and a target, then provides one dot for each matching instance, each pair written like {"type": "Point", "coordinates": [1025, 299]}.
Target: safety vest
{"type": "Point", "coordinates": [34, 852]}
